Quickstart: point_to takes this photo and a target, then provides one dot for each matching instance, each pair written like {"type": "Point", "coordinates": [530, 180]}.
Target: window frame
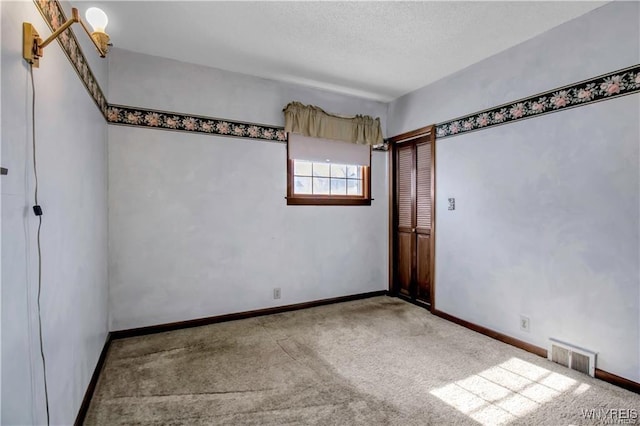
{"type": "Point", "coordinates": [328, 199]}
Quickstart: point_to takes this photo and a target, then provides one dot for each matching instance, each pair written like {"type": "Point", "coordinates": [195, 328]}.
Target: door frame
{"type": "Point", "coordinates": [428, 131]}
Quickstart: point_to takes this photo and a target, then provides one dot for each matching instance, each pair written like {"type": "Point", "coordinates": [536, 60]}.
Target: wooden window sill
{"type": "Point", "coordinates": [328, 201]}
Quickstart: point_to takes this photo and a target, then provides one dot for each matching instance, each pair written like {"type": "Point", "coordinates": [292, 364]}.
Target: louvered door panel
{"type": "Point", "coordinates": [423, 267]}
{"type": "Point", "coordinates": [405, 188]}
{"type": "Point", "coordinates": [423, 186]}
{"type": "Point", "coordinates": [406, 244]}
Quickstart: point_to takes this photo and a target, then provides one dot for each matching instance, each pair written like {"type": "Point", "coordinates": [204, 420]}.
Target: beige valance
{"type": "Point", "coordinates": [309, 120]}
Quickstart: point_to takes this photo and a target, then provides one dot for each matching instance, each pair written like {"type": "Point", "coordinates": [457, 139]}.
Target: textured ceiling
{"type": "Point", "coordinates": [378, 50]}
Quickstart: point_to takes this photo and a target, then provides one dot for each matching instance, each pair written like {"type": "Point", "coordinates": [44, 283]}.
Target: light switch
{"type": "Point", "coordinates": [452, 203]}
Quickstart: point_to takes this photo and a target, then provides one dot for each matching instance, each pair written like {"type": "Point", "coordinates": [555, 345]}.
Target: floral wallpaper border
{"type": "Point", "coordinates": [604, 87]}
{"type": "Point", "coordinates": [608, 86]}
{"type": "Point", "coordinates": [141, 117]}
{"type": "Point", "coordinates": [166, 120]}
{"type": "Point", "coordinates": [52, 12]}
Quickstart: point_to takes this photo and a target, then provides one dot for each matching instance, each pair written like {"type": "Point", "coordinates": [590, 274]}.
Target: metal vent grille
{"type": "Point", "coordinates": [560, 355]}
{"type": "Point", "coordinates": [573, 357]}
{"type": "Point", "coordinates": [580, 362]}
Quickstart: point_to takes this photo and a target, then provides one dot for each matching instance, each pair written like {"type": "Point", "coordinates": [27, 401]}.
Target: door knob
{"type": "Point", "coordinates": [413, 229]}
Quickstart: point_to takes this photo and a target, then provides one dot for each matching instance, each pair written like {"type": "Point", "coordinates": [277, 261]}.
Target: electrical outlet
{"type": "Point", "coordinates": [276, 293]}
{"type": "Point", "coordinates": [524, 323]}
{"type": "Point", "coordinates": [452, 203]}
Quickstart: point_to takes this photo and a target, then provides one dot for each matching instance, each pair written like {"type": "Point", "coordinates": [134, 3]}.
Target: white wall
{"type": "Point", "coordinates": [159, 83]}
{"type": "Point", "coordinates": [198, 224]}
{"type": "Point", "coordinates": [73, 193]}
{"type": "Point", "coordinates": [1, 192]}
{"type": "Point", "coordinates": [547, 209]}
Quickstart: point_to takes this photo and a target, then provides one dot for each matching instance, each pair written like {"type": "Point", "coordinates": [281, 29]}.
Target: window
{"type": "Point", "coordinates": [326, 172]}
{"type": "Point", "coordinates": [326, 178]}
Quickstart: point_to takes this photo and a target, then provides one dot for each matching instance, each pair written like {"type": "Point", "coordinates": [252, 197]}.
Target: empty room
{"type": "Point", "coordinates": [319, 213]}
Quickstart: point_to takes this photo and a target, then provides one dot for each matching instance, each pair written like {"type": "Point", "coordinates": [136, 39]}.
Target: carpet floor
{"type": "Point", "coordinates": [368, 362]}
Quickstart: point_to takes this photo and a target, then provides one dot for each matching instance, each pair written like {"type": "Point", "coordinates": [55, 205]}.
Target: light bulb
{"type": "Point", "coordinates": [97, 18]}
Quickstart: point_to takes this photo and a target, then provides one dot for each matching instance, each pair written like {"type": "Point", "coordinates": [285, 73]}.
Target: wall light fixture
{"type": "Point", "coordinates": [33, 45]}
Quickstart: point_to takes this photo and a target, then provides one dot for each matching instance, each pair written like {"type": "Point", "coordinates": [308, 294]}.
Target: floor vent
{"type": "Point", "coordinates": [573, 357]}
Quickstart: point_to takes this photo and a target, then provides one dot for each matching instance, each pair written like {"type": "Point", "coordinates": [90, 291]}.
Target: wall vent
{"type": "Point", "coordinates": [573, 357]}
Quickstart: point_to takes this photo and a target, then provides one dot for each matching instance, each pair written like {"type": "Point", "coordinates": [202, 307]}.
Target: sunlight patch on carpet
{"type": "Point", "coordinates": [506, 392]}
{"type": "Point", "coordinates": [581, 389]}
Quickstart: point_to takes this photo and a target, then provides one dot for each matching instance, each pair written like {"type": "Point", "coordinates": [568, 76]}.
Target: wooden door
{"type": "Point", "coordinates": [413, 233]}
